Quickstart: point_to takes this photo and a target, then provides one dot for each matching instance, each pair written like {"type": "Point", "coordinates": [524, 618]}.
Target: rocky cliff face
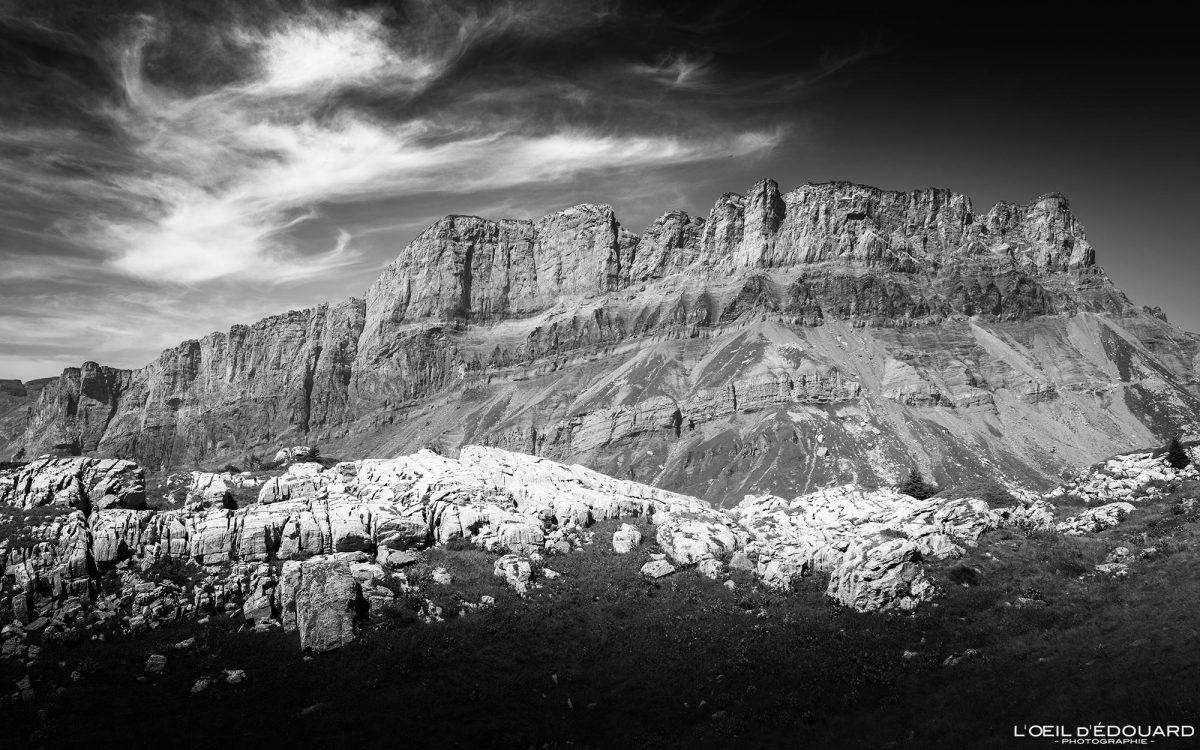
{"type": "Point", "coordinates": [788, 341]}
{"type": "Point", "coordinates": [16, 402]}
{"type": "Point", "coordinates": [278, 376]}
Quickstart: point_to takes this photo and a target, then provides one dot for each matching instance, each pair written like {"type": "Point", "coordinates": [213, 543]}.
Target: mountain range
{"type": "Point", "coordinates": [787, 341]}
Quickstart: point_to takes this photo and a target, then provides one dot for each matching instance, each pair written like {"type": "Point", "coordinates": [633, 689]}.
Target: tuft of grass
{"type": "Point", "coordinates": [244, 496]}
{"type": "Point", "coordinates": [963, 575]}
{"type": "Point", "coordinates": [458, 544]}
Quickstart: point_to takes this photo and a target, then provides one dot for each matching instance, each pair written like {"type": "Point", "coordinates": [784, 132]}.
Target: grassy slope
{"type": "Point", "coordinates": [678, 663]}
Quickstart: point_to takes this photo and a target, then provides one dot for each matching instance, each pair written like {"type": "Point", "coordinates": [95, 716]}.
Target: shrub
{"type": "Point", "coordinates": [1031, 591]}
{"type": "Point", "coordinates": [1154, 484]}
{"type": "Point", "coordinates": [110, 583]}
{"type": "Point", "coordinates": [87, 666]}
{"type": "Point", "coordinates": [992, 493]}
{"type": "Point", "coordinates": [1068, 565]}
{"type": "Point", "coordinates": [401, 613]}
{"type": "Point", "coordinates": [458, 544]}
{"type": "Point", "coordinates": [175, 570]}
{"type": "Point", "coordinates": [964, 575]}
{"type": "Point", "coordinates": [243, 496]}
{"type": "Point", "coordinates": [915, 486]}
{"type": "Point", "coordinates": [1189, 508]}
{"type": "Point", "coordinates": [1071, 500]}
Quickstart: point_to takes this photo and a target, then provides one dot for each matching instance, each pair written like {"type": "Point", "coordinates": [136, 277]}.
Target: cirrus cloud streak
{"type": "Point", "coordinates": [234, 165]}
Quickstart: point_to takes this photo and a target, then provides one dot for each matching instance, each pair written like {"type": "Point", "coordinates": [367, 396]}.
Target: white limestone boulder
{"type": "Point", "coordinates": [814, 532]}
{"type": "Point", "coordinates": [881, 578]}
{"type": "Point", "coordinates": [656, 569]}
{"type": "Point", "coordinates": [321, 600]}
{"type": "Point", "coordinates": [208, 490]}
{"type": "Point", "coordinates": [1035, 516]}
{"type": "Point", "coordinates": [690, 535]}
{"type": "Point", "coordinates": [516, 571]}
{"type": "Point", "coordinates": [1095, 519]}
{"type": "Point", "coordinates": [711, 568]}
{"type": "Point", "coordinates": [626, 539]}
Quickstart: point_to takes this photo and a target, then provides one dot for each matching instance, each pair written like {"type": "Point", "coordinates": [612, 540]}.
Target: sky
{"type": "Point", "coordinates": [168, 169]}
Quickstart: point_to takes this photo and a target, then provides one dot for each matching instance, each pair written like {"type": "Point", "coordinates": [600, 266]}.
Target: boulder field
{"type": "Point", "coordinates": [323, 546]}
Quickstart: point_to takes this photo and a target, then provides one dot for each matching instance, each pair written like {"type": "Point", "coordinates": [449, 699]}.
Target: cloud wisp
{"type": "Point", "coordinates": [236, 152]}
{"type": "Point", "coordinates": [222, 176]}
{"type": "Point", "coordinates": [174, 167]}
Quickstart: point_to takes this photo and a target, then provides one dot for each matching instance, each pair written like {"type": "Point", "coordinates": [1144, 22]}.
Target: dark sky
{"type": "Point", "coordinates": [171, 168]}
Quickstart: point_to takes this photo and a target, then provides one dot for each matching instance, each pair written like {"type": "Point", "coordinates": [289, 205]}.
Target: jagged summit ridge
{"type": "Point", "coordinates": [469, 268]}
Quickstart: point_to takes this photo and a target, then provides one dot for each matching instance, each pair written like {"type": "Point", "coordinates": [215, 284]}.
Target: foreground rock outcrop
{"type": "Point", "coordinates": [880, 578]}
{"type": "Point", "coordinates": [80, 483]}
{"type": "Point", "coordinates": [870, 543]}
{"type": "Point", "coordinates": [831, 334]}
{"type": "Point", "coordinates": [320, 599]}
{"type": "Point", "coordinates": [1134, 476]}
{"type": "Point", "coordinates": [311, 540]}
{"type": "Point", "coordinates": [325, 546]}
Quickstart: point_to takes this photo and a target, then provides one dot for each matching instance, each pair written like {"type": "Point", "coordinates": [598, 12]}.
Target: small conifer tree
{"type": "Point", "coordinates": [916, 486]}
{"type": "Point", "coordinates": [1177, 457]}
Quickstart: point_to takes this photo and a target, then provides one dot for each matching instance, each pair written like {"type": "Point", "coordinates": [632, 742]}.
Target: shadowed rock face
{"type": "Point", "coordinates": [16, 401]}
{"type": "Point", "coordinates": [319, 600]}
{"type": "Point", "coordinates": [833, 333]}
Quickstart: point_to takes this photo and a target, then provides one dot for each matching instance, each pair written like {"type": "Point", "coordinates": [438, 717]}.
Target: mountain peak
{"type": "Point", "coordinates": [843, 330]}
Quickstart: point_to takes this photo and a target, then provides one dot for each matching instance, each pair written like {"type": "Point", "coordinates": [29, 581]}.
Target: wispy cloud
{"type": "Point", "coordinates": [677, 70]}
{"type": "Point", "coordinates": [325, 51]}
{"type": "Point", "coordinates": [285, 170]}
{"type": "Point", "coordinates": [222, 175]}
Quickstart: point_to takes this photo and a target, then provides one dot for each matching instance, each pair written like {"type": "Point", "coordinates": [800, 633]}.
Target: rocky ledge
{"type": "Point", "coordinates": [320, 546]}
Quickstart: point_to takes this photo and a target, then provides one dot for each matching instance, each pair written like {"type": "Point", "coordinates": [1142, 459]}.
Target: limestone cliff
{"type": "Point", "coordinates": [833, 333]}
{"type": "Point", "coordinates": [16, 402]}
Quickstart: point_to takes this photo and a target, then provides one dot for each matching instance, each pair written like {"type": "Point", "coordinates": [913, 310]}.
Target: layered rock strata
{"type": "Point", "coordinates": [789, 340]}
